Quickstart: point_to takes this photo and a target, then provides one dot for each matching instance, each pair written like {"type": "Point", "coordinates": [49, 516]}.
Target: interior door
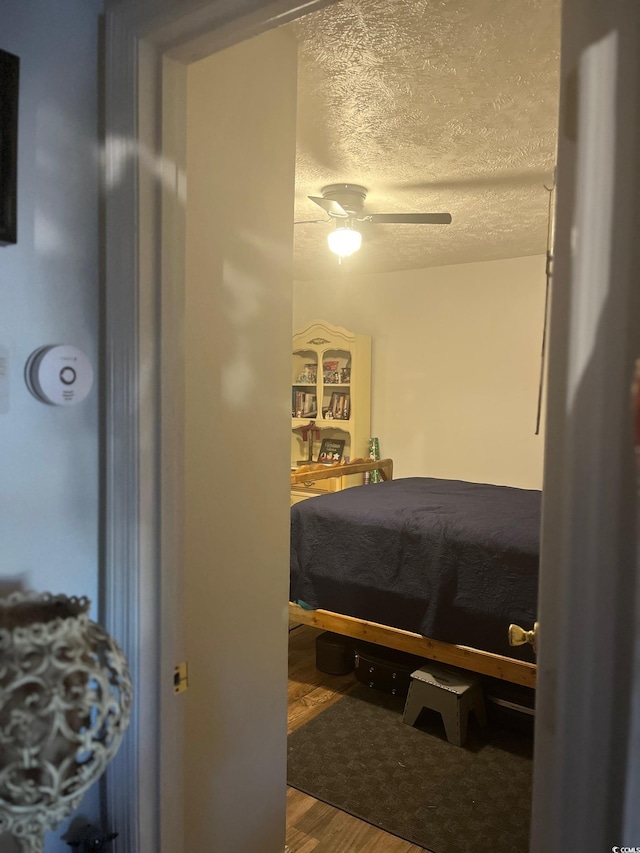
{"type": "Point", "coordinates": [584, 766]}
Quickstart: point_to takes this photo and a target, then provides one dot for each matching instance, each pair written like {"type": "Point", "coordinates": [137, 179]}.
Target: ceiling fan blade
{"type": "Point", "coordinates": [410, 218]}
{"type": "Point", "coordinates": [332, 207]}
{"type": "Point", "coordinates": [311, 221]}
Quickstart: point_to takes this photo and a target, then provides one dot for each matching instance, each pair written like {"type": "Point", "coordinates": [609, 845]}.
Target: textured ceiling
{"type": "Point", "coordinates": [433, 105]}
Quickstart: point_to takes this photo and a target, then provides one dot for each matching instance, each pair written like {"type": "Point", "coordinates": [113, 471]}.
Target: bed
{"type": "Point", "coordinates": [439, 568]}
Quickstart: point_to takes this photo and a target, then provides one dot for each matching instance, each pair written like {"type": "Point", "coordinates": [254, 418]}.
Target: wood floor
{"type": "Point", "coordinates": [313, 826]}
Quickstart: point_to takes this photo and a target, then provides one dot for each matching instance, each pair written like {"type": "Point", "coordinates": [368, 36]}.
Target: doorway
{"type": "Point", "coordinates": [135, 515]}
{"type": "Point", "coordinates": [238, 221]}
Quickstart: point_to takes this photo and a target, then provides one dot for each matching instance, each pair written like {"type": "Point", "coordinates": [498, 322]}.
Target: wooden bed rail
{"type": "Point", "coordinates": [474, 660]}
{"type": "Point", "coordinates": [341, 469]}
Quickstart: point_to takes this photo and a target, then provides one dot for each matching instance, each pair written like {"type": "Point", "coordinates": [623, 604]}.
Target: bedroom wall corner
{"type": "Point", "coordinates": [455, 364]}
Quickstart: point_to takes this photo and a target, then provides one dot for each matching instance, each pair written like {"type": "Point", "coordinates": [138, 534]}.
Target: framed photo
{"type": "Point", "coordinates": [331, 450]}
{"type": "Point", "coordinates": [9, 78]}
{"type": "Point", "coordinates": [339, 406]}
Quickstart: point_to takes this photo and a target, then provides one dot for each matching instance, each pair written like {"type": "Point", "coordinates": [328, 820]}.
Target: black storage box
{"type": "Point", "coordinates": [510, 706]}
{"type": "Point", "coordinates": [385, 669]}
{"type": "Point", "coordinates": [334, 654]}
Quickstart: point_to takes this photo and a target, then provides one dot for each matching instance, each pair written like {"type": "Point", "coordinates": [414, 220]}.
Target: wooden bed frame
{"type": "Point", "coordinates": [475, 660]}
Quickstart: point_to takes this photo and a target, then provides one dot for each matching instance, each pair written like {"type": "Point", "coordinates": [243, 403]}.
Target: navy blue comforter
{"type": "Point", "coordinates": [451, 560]}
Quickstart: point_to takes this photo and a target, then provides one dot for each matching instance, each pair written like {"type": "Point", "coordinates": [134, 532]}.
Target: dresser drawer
{"type": "Point", "coordinates": [332, 484]}
{"type": "Point", "coordinates": [298, 494]}
{"type": "Point", "coordinates": [313, 488]}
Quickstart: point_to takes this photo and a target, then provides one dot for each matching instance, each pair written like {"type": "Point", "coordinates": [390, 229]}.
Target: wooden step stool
{"type": "Point", "coordinates": [451, 692]}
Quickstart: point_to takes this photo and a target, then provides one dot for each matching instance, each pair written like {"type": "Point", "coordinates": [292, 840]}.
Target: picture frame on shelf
{"type": "Point", "coordinates": [9, 82]}
{"type": "Point", "coordinates": [339, 406]}
{"type": "Point", "coordinates": [331, 451]}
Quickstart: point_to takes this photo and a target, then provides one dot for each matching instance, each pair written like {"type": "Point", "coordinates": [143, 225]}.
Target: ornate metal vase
{"type": "Point", "coordinates": [65, 703]}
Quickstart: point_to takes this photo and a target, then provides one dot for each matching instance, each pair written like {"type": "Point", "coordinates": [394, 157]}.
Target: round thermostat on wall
{"type": "Point", "coordinates": [59, 375]}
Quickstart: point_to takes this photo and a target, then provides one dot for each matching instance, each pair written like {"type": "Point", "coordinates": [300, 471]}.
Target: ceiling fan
{"type": "Point", "coordinates": [345, 202]}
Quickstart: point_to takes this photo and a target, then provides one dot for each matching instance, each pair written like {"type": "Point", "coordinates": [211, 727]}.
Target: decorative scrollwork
{"type": "Point", "coordinates": [65, 704]}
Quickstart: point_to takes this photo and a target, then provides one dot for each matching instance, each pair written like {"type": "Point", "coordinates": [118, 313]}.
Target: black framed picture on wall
{"type": "Point", "coordinates": [9, 80]}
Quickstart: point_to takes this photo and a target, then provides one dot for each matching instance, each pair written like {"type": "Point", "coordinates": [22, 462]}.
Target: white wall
{"type": "Point", "coordinates": [455, 362]}
{"type": "Point", "coordinates": [241, 110]}
{"type": "Point", "coordinates": [49, 294]}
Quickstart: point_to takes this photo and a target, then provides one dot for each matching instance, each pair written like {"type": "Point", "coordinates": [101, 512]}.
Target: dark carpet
{"type": "Point", "coordinates": [360, 757]}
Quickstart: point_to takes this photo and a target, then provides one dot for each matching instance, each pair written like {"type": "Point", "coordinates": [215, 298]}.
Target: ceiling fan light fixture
{"type": "Point", "coordinates": [344, 241]}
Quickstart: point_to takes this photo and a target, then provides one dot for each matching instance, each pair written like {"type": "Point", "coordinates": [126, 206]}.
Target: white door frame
{"type": "Point", "coordinates": [147, 45]}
